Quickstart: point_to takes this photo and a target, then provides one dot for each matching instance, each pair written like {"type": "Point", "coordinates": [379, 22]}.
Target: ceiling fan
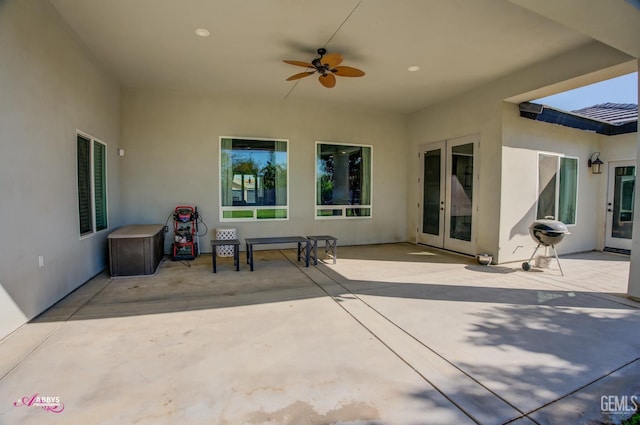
{"type": "Point", "coordinates": [327, 65]}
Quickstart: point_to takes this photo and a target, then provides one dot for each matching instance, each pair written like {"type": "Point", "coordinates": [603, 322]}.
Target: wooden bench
{"type": "Point", "coordinates": [303, 244]}
{"type": "Point", "coordinates": [222, 242]}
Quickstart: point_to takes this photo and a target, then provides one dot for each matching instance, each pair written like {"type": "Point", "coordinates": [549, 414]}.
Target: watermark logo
{"type": "Point", "coordinates": [47, 403]}
{"type": "Point", "coordinates": [619, 404]}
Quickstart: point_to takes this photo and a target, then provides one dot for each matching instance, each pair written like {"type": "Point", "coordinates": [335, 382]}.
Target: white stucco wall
{"type": "Point", "coordinates": [612, 149]}
{"type": "Point", "coordinates": [172, 143]}
{"type": "Point", "coordinates": [481, 112]}
{"type": "Point", "coordinates": [455, 118]}
{"type": "Point", "coordinates": [634, 272]}
{"type": "Point", "coordinates": [49, 88]}
{"type": "Point", "coordinates": [618, 148]}
{"type": "Point", "coordinates": [523, 139]}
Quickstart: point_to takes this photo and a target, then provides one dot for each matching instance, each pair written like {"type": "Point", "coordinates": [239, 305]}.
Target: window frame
{"type": "Point", "coordinates": [342, 207]}
{"type": "Point", "coordinates": [92, 185]}
{"type": "Point", "coordinates": [558, 157]}
{"type": "Point", "coordinates": [252, 210]}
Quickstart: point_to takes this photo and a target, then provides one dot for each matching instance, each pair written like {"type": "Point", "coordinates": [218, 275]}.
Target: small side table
{"type": "Point", "coordinates": [236, 251]}
{"type": "Point", "coordinates": [330, 244]}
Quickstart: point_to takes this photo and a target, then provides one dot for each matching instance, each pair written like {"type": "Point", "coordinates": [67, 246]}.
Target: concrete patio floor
{"type": "Point", "coordinates": [391, 334]}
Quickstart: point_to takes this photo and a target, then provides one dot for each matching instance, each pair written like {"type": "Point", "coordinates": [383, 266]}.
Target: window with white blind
{"type": "Point", "coordinates": [92, 184]}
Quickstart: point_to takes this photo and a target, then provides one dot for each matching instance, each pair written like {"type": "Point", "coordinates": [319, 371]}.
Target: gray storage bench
{"type": "Point", "coordinates": [136, 249]}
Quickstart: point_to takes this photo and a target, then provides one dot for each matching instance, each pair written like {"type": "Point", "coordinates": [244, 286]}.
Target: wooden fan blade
{"type": "Point", "coordinates": [332, 59]}
{"type": "Point", "coordinates": [327, 80]}
{"type": "Point", "coordinates": [299, 63]}
{"type": "Point", "coordinates": [347, 71]}
{"type": "Point", "coordinates": [300, 75]}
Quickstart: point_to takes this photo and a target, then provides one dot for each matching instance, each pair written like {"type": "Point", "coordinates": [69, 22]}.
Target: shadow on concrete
{"type": "Point", "coordinates": [563, 361]}
{"type": "Point", "coordinates": [480, 294]}
{"type": "Point", "coordinates": [553, 329]}
{"type": "Point", "coordinates": [177, 288]}
{"type": "Point", "coordinates": [432, 399]}
{"type": "Point", "coordinates": [278, 278]}
{"type": "Point", "coordinates": [576, 349]}
{"type": "Point", "coordinates": [567, 339]}
{"type": "Point", "coordinates": [491, 269]}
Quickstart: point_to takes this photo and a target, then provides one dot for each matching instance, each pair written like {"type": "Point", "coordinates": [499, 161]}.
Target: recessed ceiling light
{"type": "Point", "coordinates": [202, 32]}
{"type": "Point", "coordinates": [413, 68]}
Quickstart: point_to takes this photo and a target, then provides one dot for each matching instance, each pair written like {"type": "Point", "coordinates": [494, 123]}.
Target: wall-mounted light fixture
{"type": "Point", "coordinates": [595, 164]}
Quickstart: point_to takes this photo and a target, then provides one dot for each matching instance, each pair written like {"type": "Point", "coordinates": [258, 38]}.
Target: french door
{"type": "Point", "coordinates": [620, 200]}
{"type": "Point", "coordinates": [447, 203]}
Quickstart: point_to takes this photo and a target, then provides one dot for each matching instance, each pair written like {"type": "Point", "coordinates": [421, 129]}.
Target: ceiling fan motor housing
{"type": "Point", "coordinates": [317, 62]}
{"type": "Point", "coordinates": [320, 67]}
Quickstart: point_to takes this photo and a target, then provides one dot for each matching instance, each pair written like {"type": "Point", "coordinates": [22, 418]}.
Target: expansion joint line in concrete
{"type": "Point", "coordinates": [557, 282]}
{"type": "Point", "coordinates": [522, 414]}
{"type": "Point", "coordinates": [577, 389]}
{"type": "Point", "coordinates": [423, 344]}
{"type": "Point", "coordinates": [398, 355]}
{"type": "Point", "coordinates": [589, 293]}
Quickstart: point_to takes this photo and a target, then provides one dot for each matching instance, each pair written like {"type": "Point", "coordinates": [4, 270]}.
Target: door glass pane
{"type": "Point", "coordinates": [461, 191]}
{"type": "Point", "coordinates": [623, 199]}
{"type": "Point", "coordinates": [432, 196]}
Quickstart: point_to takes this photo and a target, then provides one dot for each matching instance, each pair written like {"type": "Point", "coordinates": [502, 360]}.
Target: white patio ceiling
{"type": "Point", "coordinates": [458, 44]}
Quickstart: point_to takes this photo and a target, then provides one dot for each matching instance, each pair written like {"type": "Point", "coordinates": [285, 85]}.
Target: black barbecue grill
{"type": "Point", "coordinates": [546, 232]}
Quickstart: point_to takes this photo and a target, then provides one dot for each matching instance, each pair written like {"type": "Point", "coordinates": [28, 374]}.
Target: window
{"type": "Point", "coordinates": [253, 179]}
{"type": "Point", "coordinates": [92, 184]}
{"type": "Point", "coordinates": [343, 181]}
{"type": "Point", "coordinates": [557, 188]}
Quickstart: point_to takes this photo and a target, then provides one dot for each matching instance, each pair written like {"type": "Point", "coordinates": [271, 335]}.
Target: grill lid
{"type": "Point", "coordinates": [549, 226]}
